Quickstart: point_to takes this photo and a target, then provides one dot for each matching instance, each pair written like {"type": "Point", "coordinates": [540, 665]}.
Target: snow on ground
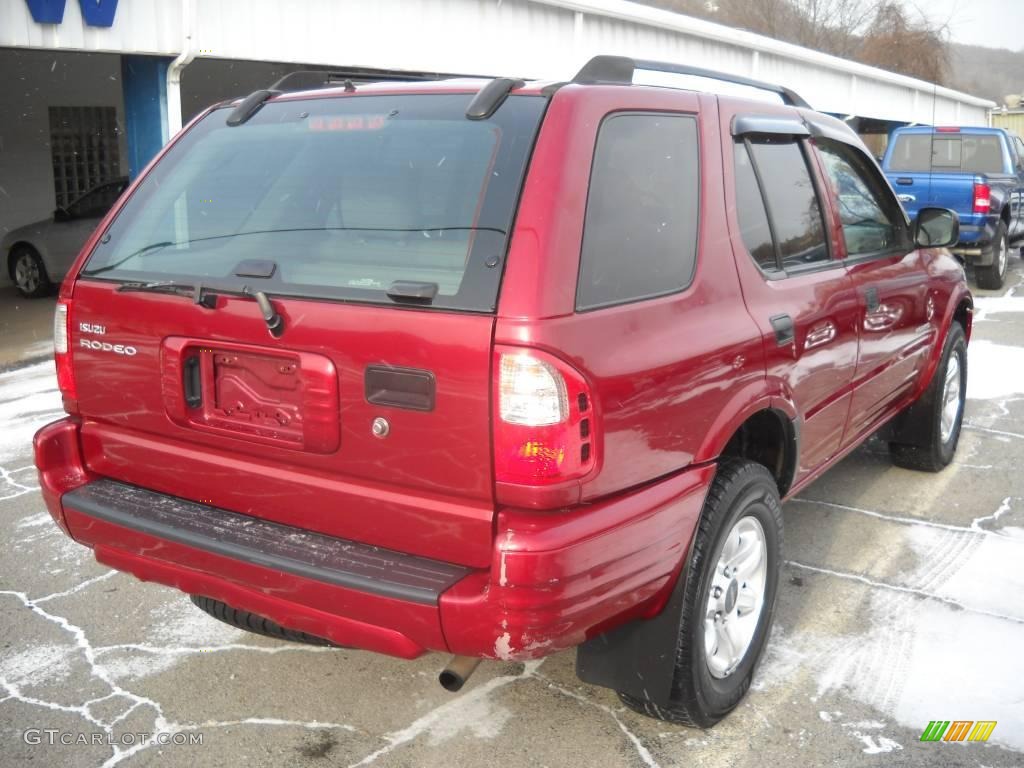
{"type": "Point", "coordinates": [994, 371]}
{"type": "Point", "coordinates": [28, 400]}
{"type": "Point", "coordinates": [984, 306]}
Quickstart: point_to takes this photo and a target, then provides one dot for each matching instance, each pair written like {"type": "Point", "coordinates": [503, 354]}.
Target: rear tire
{"type": "Point", "coordinates": [992, 277]}
{"type": "Point", "coordinates": [712, 670]}
{"type": "Point", "coordinates": [931, 426]}
{"type": "Point", "coordinates": [250, 622]}
{"type": "Point", "coordinates": [28, 272]}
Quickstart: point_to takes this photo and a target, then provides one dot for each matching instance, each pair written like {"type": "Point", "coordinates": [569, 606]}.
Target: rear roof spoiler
{"type": "Point", "coordinates": [618, 70]}
{"type": "Point", "coordinates": [312, 79]}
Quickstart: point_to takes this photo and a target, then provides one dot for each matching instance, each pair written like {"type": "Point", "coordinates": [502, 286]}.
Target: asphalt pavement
{"type": "Point", "coordinates": [902, 602]}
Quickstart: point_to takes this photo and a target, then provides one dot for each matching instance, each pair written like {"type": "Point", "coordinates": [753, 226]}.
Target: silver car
{"type": "Point", "coordinates": [40, 254]}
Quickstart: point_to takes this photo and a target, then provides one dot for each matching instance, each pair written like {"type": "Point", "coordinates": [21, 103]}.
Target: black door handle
{"type": "Point", "coordinates": [783, 327]}
{"type": "Point", "coordinates": [191, 382]}
{"type": "Point", "coordinates": [871, 298]}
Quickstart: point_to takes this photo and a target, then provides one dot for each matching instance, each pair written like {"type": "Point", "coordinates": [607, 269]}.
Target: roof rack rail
{"type": "Point", "coordinates": [491, 96]}
{"type": "Point", "coordinates": [249, 106]}
{"type": "Point", "coordinates": [618, 70]}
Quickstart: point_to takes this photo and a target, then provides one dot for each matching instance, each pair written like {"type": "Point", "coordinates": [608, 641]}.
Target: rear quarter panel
{"type": "Point", "coordinates": [664, 372]}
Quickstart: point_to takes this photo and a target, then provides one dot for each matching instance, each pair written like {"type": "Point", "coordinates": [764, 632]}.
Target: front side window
{"type": "Point", "coordinates": [345, 195]}
{"type": "Point", "coordinates": [865, 208]}
{"type": "Point", "coordinates": [640, 230]}
{"type": "Point", "coordinates": [788, 192]}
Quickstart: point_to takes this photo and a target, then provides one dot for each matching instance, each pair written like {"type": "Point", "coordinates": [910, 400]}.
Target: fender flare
{"type": "Point", "coordinates": [771, 394]}
{"type": "Point", "coordinates": [960, 294]}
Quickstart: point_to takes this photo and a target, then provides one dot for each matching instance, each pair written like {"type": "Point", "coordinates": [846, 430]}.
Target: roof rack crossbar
{"type": "Point", "coordinates": [618, 70]}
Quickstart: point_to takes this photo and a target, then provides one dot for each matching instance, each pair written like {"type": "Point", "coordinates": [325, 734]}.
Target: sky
{"type": "Point", "coordinates": [992, 23]}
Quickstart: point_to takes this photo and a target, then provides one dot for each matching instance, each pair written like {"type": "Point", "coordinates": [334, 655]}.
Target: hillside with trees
{"type": "Point", "coordinates": [882, 33]}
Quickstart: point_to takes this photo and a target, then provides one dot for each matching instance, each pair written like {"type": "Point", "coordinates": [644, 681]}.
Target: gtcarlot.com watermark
{"type": "Point", "coordinates": [54, 736]}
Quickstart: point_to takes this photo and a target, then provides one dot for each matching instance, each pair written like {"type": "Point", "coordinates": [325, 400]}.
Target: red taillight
{"type": "Point", "coordinates": [544, 429]}
{"type": "Point", "coordinates": [62, 354]}
{"type": "Point", "coordinates": [982, 198]}
{"type": "Point", "coordinates": [947, 129]}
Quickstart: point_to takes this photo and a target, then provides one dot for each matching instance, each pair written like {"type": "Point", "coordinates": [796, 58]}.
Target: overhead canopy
{"type": "Point", "coordinates": [534, 38]}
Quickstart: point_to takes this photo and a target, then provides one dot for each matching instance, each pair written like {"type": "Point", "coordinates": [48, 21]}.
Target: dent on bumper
{"type": "Point", "coordinates": [556, 578]}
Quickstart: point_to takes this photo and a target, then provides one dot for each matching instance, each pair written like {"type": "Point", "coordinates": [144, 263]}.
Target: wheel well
{"type": "Point", "coordinates": [964, 316]}
{"type": "Point", "coordinates": [10, 255]}
{"type": "Point", "coordinates": [767, 437]}
{"type": "Point", "coordinates": [1005, 216]}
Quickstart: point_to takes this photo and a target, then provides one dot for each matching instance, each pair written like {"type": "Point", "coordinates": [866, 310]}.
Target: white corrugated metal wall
{"type": "Point", "coordinates": [530, 38]}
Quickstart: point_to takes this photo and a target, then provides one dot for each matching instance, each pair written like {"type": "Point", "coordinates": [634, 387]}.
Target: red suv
{"type": "Point", "coordinates": [499, 369]}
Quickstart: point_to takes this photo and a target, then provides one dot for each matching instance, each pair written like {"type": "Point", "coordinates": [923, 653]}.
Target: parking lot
{"type": "Point", "coordinates": [902, 602]}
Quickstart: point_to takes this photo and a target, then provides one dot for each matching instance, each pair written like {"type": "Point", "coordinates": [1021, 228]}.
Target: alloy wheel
{"type": "Point", "coordinates": [736, 597]}
{"type": "Point", "coordinates": [26, 273]}
{"type": "Point", "coordinates": [950, 398]}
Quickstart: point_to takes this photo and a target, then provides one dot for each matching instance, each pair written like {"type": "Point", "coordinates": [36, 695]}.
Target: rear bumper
{"type": "Point", "coordinates": [976, 235]}
{"type": "Point", "coordinates": [554, 579]}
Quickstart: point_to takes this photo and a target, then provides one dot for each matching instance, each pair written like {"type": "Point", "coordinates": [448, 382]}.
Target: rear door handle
{"type": "Point", "coordinates": [783, 327]}
{"type": "Point", "coordinates": [820, 335]}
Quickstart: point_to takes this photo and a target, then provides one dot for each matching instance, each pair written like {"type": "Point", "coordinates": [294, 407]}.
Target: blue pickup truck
{"type": "Point", "coordinates": [977, 172]}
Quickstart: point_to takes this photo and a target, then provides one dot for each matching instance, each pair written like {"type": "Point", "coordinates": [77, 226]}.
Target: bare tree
{"type": "Point", "coordinates": [900, 44]}
{"type": "Point", "coordinates": [877, 32]}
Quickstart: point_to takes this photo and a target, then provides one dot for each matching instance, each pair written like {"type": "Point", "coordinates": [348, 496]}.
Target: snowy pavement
{"type": "Point", "coordinates": [902, 602]}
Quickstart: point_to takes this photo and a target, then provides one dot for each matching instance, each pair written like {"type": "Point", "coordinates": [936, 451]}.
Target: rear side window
{"type": "Point", "coordinates": [968, 153]}
{"type": "Point", "coordinates": [754, 228]}
{"type": "Point", "coordinates": [787, 197]}
{"type": "Point", "coordinates": [345, 195]}
{"type": "Point", "coordinates": [640, 231]}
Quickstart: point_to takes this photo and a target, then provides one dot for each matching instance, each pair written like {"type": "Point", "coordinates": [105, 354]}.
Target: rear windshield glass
{"type": "Point", "coordinates": [966, 153]}
{"type": "Point", "coordinates": [344, 195]}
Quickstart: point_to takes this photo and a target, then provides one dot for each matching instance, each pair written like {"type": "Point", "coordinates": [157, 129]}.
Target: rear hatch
{"type": "Point", "coordinates": [373, 229]}
{"type": "Point", "coordinates": [941, 168]}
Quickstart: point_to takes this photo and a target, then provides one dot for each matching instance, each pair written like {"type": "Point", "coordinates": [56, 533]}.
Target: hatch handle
{"type": "Point", "coordinates": [192, 382]}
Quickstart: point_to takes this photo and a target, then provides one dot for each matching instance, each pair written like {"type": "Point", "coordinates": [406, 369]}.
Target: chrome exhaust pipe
{"type": "Point", "coordinates": [457, 672]}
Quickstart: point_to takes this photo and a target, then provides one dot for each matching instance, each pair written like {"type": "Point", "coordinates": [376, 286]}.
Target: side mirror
{"type": "Point", "coordinates": [61, 214]}
{"type": "Point", "coordinates": [936, 228]}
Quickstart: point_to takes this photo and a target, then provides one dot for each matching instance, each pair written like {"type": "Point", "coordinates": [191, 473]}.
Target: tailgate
{"type": "Point", "coordinates": [372, 227]}
{"type": "Point", "coordinates": [285, 431]}
{"type": "Point", "coordinates": [943, 190]}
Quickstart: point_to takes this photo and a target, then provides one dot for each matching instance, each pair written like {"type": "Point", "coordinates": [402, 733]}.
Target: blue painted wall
{"type": "Point", "coordinates": [144, 82]}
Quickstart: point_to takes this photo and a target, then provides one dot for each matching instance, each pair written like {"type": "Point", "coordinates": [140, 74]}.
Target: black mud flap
{"type": "Point", "coordinates": [638, 658]}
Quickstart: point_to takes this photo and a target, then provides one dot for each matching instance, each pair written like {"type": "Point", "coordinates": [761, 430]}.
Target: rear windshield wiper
{"type": "Point", "coordinates": [132, 255]}
{"type": "Point", "coordinates": [198, 293]}
{"type": "Point", "coordinates": [205, 298]}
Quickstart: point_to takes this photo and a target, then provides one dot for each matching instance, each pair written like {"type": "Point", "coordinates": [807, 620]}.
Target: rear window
{"type": "Point", "coordinates": [344, 195]}
{"type": "Point", "coordinates": [947, 152]}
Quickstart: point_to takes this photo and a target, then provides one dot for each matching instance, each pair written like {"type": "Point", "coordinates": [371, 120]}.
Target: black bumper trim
{"type": "Point", "coordinates": [272, 545]}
